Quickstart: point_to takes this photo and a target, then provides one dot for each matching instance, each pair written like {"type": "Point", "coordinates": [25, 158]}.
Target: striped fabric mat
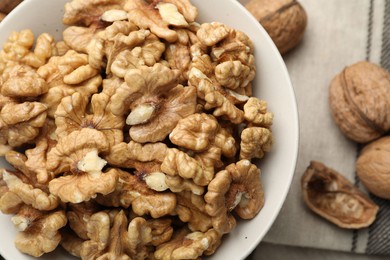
{"type": "Point", "coordinates": [339, 33]}
{"type": "Point", "coordinates": [379, 232]}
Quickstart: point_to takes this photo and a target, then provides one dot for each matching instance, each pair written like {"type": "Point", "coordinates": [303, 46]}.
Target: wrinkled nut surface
{"type": "Point", "coordinates": [284, 20]}
{"type": "Point", "coordinates": [188, 245]}
{"type": "Point", "coordinates": [373, 167]}
{"type": "Point", "coordinates": [134, 137]}
{"type": "Point", "coordinates": [334, 198]}
{"type": "Point", "coordinates": [359, 98]}
{"type": "Point", "coordinates": [43, 236]}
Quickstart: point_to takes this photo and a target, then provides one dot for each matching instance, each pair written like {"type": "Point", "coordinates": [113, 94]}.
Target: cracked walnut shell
{"type": "Point", "coordinates": [359, 98]}
{"type": "Point", "coordinates": [333, 197]}
{"type": "Point", "coordinates": [373, 167]}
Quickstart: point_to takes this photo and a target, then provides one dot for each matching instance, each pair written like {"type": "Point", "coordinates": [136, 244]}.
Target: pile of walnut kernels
{"type": "Point", "coordinates": [134, 137]}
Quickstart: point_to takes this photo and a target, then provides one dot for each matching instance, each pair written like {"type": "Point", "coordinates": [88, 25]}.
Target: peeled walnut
{"type": "Point", "coordinates": [76, 156]}
{"type": "Point", "coordinates": [132, 191]}
{"type": "Point", "coordinates": [199, 132]}
{"type": "Point", "coordinates": [71, 242]}
{"type": "Point", "coordinates": [156, 102]}
{"type": "Point", "coordinates": [133, 154]}
{"type": "Point", "coordinates": [72, 115]}
{"type": "Point", "coordinates": [127, 121]}
{"type": "Point", "coordinates": [257, 114]}
{"type": "Point", "coordinates": [22, 81]}
{"type": "Point", "coordinates": [236, 68]}
{"type": "Point", "coordinates": [18, 49]}
{"type": "Point", "coordinates": [113, 236]}
{"type": "Point", "coordinates": [33, 162]}
{"type": "Point", "coordinates": [43, 235]}
{"type": "Point", "coordinates": [66, 75]}
{"type": "Point", "coordinates": [147, 54]}
{"type": "Point", "coordinates": [284, 20]}
{"type": "Point", "coordinates": [189, 245]}
{"type": "Point", "coordinates": [191, 209]}
{"type": "Point", "coordinates": [106, 45]}
{"type": "Point", "coordinates": [159, 16]}
{"type": "Point", "coordinates": [373, 167]}
{"type": "Point", "coordinates": [78, 37]}
{"type": "Point", "coordinates": [78, 216]}
{"type": "Point", "coordinates": [139, 237]}
{"type": "Point", "coordinates": [178, 53]}
{"type": "Point", "coordinates": [162, 230]}
{"type": "Point", "coordinates": [177, 162]}
{"type": "Point", "coordinates": [237, 188]}
{"type": "Point", "coordinates": [255, 142]}
{"type": "Point", "coordinates": [24, 190]}
{"type": "Point", "coordinates": [20, 122]}
{"type": "Point", "coordinates": [98, 228]}
{"type": "Point", "coordinates": [334, 198]}
{"type": "Point", "coordinates": [3, 185]}
{"type": "Point", "coordinates": [88, 12]}
{"type": "Point", "coordinates": [216, 97]}
{"type": "Point", "coordinates": [100, 234]}
{"type": "Point", "coordinates": [359, 98]}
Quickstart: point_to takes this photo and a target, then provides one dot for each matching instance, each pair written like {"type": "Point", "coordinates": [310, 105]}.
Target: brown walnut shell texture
{"type": "Point", "coordinates": [359, 99]}
{"type": "Point", "coordinates": [373, 167]}
{"type": "Point", "coordinates": [284, 20]}
{"type": "Point", "coordinates": [333, 197]}
{"type": "Point", "coordinates": [7, 6]}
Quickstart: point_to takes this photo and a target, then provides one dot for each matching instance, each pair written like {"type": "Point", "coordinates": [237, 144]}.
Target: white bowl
{"type": "Point", "coordinates": [272, 84]}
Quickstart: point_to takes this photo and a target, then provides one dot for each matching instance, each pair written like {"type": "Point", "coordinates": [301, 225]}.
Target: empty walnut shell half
{"type": "Point", "coordinates": [373, 167]}
{"type": "Point", "coordinates": [284, 20]}
{"type": "Point", "coordinates": [359, 98]}
{"type": "Point", "coordinates": [333, 197]}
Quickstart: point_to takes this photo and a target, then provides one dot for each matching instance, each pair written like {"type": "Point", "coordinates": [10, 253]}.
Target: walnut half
{"type": "Point", "coordinates": [334, 198]}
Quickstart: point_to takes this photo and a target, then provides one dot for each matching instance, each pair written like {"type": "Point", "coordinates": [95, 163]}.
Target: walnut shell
{"type": "Point", "coordinates": [333, 197]}
{"type": "Point", "coordinates": [373, 167]}
{"type": "Point", "coordinates": [2, 16]}
{"type": "Point", "coordinates": [284, 20]}
{"type": "Point", "coordinates": [359, 98]}
{"type": "Point", "coordinates": [7, 6]}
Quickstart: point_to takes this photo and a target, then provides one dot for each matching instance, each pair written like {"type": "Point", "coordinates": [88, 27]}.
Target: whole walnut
{"type": "Point", "coordinates": [373, 167]}
{"type": "Point", "coordinates": [284, 20]}
{"type": "Point", "coordinates": [359, 98]}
